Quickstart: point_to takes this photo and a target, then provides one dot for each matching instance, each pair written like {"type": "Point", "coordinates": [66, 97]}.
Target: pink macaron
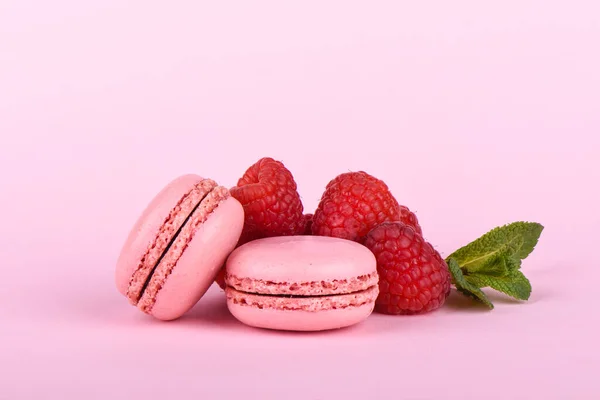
{"type": "Point", "coordinates": [177, 246]}
{"type": "Point", "coordinates": [301, 283]}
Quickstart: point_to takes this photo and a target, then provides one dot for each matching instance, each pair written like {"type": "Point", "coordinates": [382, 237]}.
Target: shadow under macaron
{"type": "Point", "coordinates": [211, 310]}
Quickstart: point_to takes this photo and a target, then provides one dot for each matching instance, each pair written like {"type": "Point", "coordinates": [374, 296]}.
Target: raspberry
{"type": "Point", "coordinates": [308, 221]}
{"type": "Point", "coordinates": [413, 277]}
{"type": "Point", "coordinates": [271, 201]}
{"type": "Point", "coordinates": [356, 202]}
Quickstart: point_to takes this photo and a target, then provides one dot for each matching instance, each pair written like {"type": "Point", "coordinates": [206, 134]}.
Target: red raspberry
{"type": "Point", "coordinates": [356, 202]}
{"type": "Point", "coordinates": [271, 201]}
{"type": "Point", "coordinates": [413, 277]}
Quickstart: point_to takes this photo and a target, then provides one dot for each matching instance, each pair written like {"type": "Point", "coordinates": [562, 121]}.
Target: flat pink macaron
{"type": "Point", "coordinates": [301, 283]}
{"type": "Point", "coordinates": [177, 246]}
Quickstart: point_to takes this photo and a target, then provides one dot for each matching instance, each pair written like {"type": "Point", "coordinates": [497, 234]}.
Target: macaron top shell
{"type": "Point", "coordinates": [301, 265]}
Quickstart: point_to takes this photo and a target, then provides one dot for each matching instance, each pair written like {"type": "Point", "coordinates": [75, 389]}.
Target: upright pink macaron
{"type": "Point", "coordinates": [177, 246]}
{"type": "Point", "coordinates": [301, 283]}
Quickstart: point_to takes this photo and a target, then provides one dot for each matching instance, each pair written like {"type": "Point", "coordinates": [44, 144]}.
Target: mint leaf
{"type": "Point", "coordinates": [496, 264]}
{"type": "Point", "coordinates": [499, 264]}
{"type": "Point", "coordinates": [494, 260]}
{"type": "Point", "coordinates": [516, 240]}
{"type": "Point", "coordinates": [515, 284]}
{"type": "Point", "coordinates": [465, 287]}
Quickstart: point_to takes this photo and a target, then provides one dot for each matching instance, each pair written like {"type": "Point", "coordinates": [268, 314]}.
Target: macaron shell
{"type": "Point", "coordinates": [147, 227]}
{"type": "Point", "coordinates": [197, 267]}
{"type": "Point", "coordinates": [301, 259]}
{"type": "Point", "coordinates": [300, 320]}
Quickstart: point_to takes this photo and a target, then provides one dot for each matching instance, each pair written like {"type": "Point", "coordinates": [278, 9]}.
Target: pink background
{"type": "Point", "coordinates": [476, 113]}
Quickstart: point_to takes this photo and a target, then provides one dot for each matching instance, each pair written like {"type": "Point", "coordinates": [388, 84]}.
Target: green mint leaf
{"type": "Point", "coordinates": [497, 264]}
{"type": "Point", "coordinates": [516, 240]}
{"type": "Point", "coordinates": [465, 287]}
{"type": "Point", "coordinates": [515, 284]}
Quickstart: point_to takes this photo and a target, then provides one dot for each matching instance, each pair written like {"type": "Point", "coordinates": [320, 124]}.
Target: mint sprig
{"type": "Point", "coordinates": [494, 260]}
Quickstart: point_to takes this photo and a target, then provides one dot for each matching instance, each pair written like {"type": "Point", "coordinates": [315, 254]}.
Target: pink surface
{"type": "Point", "coordinates": [475, 113]}
{"type": "Point", "coordinates": [279, 262]}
